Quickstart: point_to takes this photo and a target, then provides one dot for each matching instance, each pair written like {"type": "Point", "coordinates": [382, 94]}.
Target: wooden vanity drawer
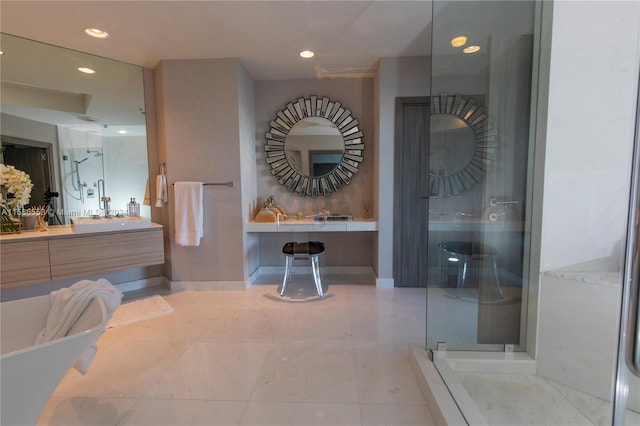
{"type": "Point", "coordinates": [93, 254]}
{"type": "Point", "coordinates": [24, 262]}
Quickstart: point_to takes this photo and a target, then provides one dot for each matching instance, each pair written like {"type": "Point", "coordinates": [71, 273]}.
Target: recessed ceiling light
{"type": "Point", "coordinates": [96, 32]}
{"type": "Point", "coordinates": [471, 49]}
{"type": "Point", "coordinates": [86, 70]}
{"type": "Point", "coordinates": [1, 52]}
{"type": "Point", "coordinates": [459, 41]}
{"type": "Point", "coordinates": [307, 54]}
{"type": "Point", "coordinates": [122, 132]}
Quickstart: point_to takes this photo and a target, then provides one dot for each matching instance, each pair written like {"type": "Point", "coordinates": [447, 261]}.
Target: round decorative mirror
{"type": "Point", "coordinates": [314, 146]}
{"type": "Point", "coordinates": [462, 145]}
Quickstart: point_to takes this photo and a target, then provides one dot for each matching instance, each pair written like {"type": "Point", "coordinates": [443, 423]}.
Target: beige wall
{"type": "Point", "coordinates": [246, 97]}
{"type": "Point", "coordinates": [199, 133]}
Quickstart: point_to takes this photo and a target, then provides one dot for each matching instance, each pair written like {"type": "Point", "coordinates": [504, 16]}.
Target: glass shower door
{"type": "Point", "coordinates": [478, 173]}
{"type": "Point", "coordinates": [579, 362]}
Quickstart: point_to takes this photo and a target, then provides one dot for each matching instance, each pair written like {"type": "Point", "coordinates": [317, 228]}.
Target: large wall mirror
{"type": "Point", "coordinates": [462, 144]}
{"type": "Point", "coordinates": [79, 135]}
{"type": "Point", "coordinates": [314, 146]}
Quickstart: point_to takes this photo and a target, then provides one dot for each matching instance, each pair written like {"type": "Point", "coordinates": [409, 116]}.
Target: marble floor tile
{"type": "Point", "coordinates": [308, 372]}
{"type": "Point", "coordinates": [211, 300]}
{"type": "Point", "coordinates": [85, 410]}
{"type": "Point", "coordinates": [515, 399]}
{"type": "Point", "coordinates": [247, 356]}
{"type": "Point", "coordinates": [316, 325]}
{"type": "Point", "coordinates": [125, 369]}
{"type": "Point", "coordinates": [294, 414]}
{"type": "Point", "coordinates": [213, 371]}
{"type": "Point", "coordinates": [181, 326]}
{"type": "Point", "coordinates": [395, 415]}
{"type": "Point", "coordinates": [385, 376]}
{"type": "Point", "coordinates": [243, 325]}
{"type": "Point", "coordinates": [172, 412]}
{"type": "Point", "coordinates": [398, 326]}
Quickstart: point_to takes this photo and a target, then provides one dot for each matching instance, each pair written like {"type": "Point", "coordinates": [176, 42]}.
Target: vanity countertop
{"type": "Point", "coordinates": [64, 231]}
{"type": "Point", "coordinates": [311, 225]}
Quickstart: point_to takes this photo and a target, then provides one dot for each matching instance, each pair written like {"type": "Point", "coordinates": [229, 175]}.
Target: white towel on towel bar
{"type": "Point", "coordinates": [161, 190]}
{"type": "Point", "coordinates": [189, 212]}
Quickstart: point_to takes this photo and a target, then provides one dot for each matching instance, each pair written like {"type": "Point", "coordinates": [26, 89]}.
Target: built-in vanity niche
{"type": "Point", "coordinates": [90, 128]}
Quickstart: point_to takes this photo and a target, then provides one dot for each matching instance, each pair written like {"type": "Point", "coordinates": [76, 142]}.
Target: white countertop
{"type": "Point", "coordinates": [62, 231]}
{"type": "Point", "coordinates": [310, 225]}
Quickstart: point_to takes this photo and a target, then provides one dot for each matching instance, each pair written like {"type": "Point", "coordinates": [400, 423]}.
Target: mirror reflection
{"type": "Point", "coordinates": [314, 146]}
{"type": "Point", "coordinates": [463, 145]}
{"type": "Point", "coordinates": [81, 137]}
{"type": "Point", "coordinates": [452, 144]}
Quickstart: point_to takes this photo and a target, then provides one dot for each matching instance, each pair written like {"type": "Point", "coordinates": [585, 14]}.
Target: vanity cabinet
{"type": "Point", "coordinates": [87, 255]}
{"type": "Point", "coordinates": [34, 258]}
{"type": "Point", "coordinates": [24, 263]}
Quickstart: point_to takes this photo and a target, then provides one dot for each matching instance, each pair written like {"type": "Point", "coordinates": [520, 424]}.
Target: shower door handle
{"type": "Point", "coordinates": [100, 195]}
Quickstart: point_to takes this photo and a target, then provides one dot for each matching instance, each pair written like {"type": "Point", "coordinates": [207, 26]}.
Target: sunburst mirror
{"type": "Point", "coordinates": [462, 144]}
{"type": "Point", "coordinates": [314, 146]}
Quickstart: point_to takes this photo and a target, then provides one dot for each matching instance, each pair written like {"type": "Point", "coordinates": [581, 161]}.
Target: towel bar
{"type": "Point", "coordinates": [229, 184]}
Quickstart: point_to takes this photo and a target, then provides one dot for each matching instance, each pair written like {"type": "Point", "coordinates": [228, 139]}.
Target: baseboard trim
{"type": "Point", "coordinates": [206, 285]}
{"type": "Point", "coordinates": [143, 283]}
{"type": "Point", "coordinates": [385, 283]}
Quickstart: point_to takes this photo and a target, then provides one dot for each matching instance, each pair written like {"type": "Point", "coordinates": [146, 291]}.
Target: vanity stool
{"type": "Point", "coordinates": [310, 250]}
{"type": "Point", "coordinates": [467, 251]}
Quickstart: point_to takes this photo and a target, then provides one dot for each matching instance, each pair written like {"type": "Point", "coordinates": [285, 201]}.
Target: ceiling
{"type": "Point", "coordinates": [348, 37]}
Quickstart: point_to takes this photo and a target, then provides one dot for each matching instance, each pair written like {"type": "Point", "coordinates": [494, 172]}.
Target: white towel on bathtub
{"type": "Point", "coordinates": [68, 304]}
{"type": "Point", "coordinates": [189, 213]}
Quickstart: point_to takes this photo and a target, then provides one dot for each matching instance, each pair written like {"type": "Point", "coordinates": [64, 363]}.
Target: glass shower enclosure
{"type": "Point", "coordinates": [533, 327]}
{"type": "Point", "coordinates": [479, 166]}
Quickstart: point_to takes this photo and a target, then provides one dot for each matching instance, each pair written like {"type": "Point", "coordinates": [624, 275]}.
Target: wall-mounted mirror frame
{"type": "Point", "coordinates": [291, 177]}
{"type": "Point", "coordinates": [468, 110]}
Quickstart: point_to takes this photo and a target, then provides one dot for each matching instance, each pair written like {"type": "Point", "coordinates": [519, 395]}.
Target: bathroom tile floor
{"type": "Point", "coordinates": [249, 357]}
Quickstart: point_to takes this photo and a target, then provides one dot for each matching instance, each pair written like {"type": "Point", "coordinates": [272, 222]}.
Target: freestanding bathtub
{"type": "Point", "coordinates": [30, 373]}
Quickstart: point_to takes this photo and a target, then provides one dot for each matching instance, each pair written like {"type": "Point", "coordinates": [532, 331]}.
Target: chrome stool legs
{"type": "Point", "coordinates": [495, 277]}
{"type": "Point", "coordinates": [465, 251]}
{"type": "Point", "coordinates": [311, 250]}
{"type": "Point", "coordinates": [316, 275]}
{"type": "Point", "coordinates": [287, 274]}
{"type": "Point", "coordinates": [462, 276]}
